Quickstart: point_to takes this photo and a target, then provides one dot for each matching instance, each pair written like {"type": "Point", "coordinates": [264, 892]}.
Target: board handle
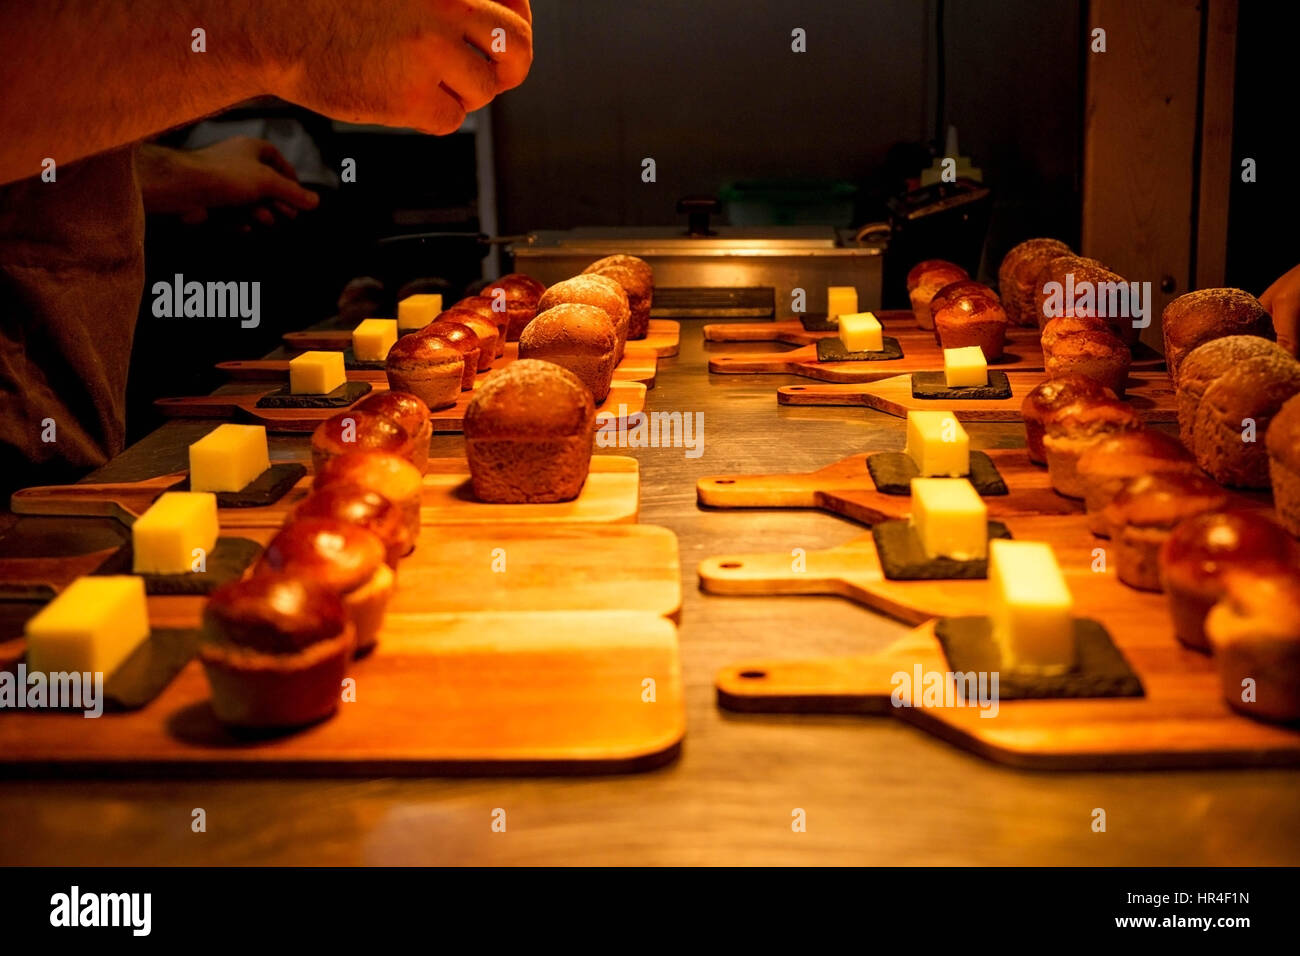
{"type": "Point", "coordinates": [822, 393]}
{"type": "Point", "coordinates": [770, 573]}
{"type": "Point", "coordinates": [837, 685]}
{"type": "Point", "coordinates": [758, 491]}
{"type": "Point", "coordinates": [198, 406]}
{"type": "Point", "coordinates": [269, 370]}
{"type": "Point", "coordinates": [330, 339]}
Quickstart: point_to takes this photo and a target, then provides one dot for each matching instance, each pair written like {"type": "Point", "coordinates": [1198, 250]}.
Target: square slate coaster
{"type": "Point", "coordinates": [1101, 670]}
{"type": "Point", "coordinates": [266, 489]}
{"type": "Point", "coordinates": [818, 323]}
{"type": "Point", "coordinates": [228, 561]}
{"type": "Point", "coordinates": [832, 350]}
{"type": "Point", "coordinates": [893, 471]}
{"type": "Point", "coordinates": [902, 557]}
{"type": "Point", "coordinates": [353, 364]}
{"type": "Point", "coordinates": [932, 385]}
{"type": "Point", "coordinates": [341, 397]}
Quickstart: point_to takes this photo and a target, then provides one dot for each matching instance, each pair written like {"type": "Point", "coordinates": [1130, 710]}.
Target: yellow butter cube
{"type": "Point", "coordinates": [417, 311]}
{"type": "Point", "coordinates": [372, 339]}
{"type": "Point", "coordinates": [938, 444]}
{"type": "Point", "coordinates": [228, 458]}
{"type": "Point", "coordinates": [950, 518]}
{"type": "Point", "coordinates": [93, 625]}
{"type": "Point", "coordinates": [177, 534]}
{"type": "Point", "coordinates": [1032, 610]}
{"type": "Point", "coordinates": [841, 300]}
{"type": "Point", "coordinates": [965, 366]}
{"type": "Point", "coordinates": [316, 373]}
{"type": "Point", "coordinates": [861, 332]}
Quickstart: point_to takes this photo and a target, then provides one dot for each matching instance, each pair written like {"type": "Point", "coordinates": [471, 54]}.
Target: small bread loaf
{"type": "Point", "coordinates": [580, 338]}
{"type": "Point", "coordinates": [1105, 467]}
{"type": "Point", "coordinates": [409, 411]}
{"type": "Point", "coordinates": [1254, 631]}
{"type": "Point", "coordinates": [483, 329]}
{"type": "Point", "coordinates": [427, 367]}
{"type": "Point", "coordinates": [529, 431]}
{"type": "Point", "coordinates": [485, 308]}
{"type": "Point", "coordinates": [459, 337]}
{"type": "Point", "coordinates": [925, 281]}
{"type": "Point", "coordinates": [392, 476]}
{"type": "Point", "coordinates": [1234, 416]}
{"type": "Point", "coordinates": [1017, 273]}
{"type": "Point", "coordinates": [1049, 397]}
{"type": "Point", "coordinates": [1197, 317]}
{"type": "Point", "coordinates": [598, 290]}
{"type": "Point", "coordinates": [1095, 291]}
{"type": "Point", "coordinates": [638, 281]}
{"type": "Point", "coordinates": [1097, 355]}
{"type": "Point", "coordinates": [970, 317]}
{"type": "Point", "coordinates": [1144, 512]}
{"type": "Point", "coordinates": [1203, 364]}
{"type": "Point", "coordinates": [1057, 329]}
{"type": "Point", "coordinates": [1071, 431]}
{"type": "Point", "coordinates": [356, 504]}
{"type": "Point", "coordinates": [520, 293]}
{"type": "Point", "coordinates": [352, 430]}
{"type": "Point", "coordinates": [1283, 444]}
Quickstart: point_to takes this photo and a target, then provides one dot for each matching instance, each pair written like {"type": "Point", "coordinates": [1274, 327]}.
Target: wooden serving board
{"type": "Point", "coordinates": [472, 693]}
{"type": "Point", "coordinates": [663, 339]}
{"type": "Point", "coordinates": [792, 331]}
{"type": "Point", "coordinates": [624, 399]}
{"type": "Point", "coordinates": [845, 488]}
{"type": "Point", "coordinates": [1181, 722]}
{"type": "Point", "coordinates": [634, 368]}
{"type": "Point", "coordinates": [1150, 393]}
{"type": "Point", "coordinates": [609, 496]}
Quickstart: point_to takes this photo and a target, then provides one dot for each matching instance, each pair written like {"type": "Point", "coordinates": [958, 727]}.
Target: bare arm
{"type": "Point", "coordinates": [83, 76]}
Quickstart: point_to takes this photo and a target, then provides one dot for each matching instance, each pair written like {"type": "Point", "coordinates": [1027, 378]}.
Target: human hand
{"type": "Point", "coordinates": [1282, 301]}
{"type": "Point", "coordinates": [240, 171]}
{"type": "Point", "coordinates": [413, 63]}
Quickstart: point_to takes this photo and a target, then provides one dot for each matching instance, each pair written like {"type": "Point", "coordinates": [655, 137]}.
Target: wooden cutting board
{"type": "Point", "coordinates": [845, 488]}
{"type": "Point", "coordinates": [634, 368]}
{"type": "Point", "coordinates": [1181, 722]}
{"type": "Point", "coordinates": [792, 331]}
{"type": "Point", "coordinates": [663, 338]}
{"type": "Point", "coordinates": [473, 693]}
{"type": "Point", "coordinates": [610, 495]}
{"type": "Point", "coordinates": [1150, 393]}
{"type": "Point", "coordinates": [624, 399]}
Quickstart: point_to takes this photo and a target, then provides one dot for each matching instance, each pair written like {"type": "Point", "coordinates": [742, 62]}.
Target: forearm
{"type": "Point", "coordinates": [83, 76]}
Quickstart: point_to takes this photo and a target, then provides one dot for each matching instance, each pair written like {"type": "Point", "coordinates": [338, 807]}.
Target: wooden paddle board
{"type": "Point", "coordinates": [663, 338]}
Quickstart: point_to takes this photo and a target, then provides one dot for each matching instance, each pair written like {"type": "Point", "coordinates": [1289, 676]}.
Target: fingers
{"type": "Point", "coordinates": [268, 154]}
{"type": "Point", "coordinates": [504, 33]}
{"type": "Point", "coordinates": [272, 185]}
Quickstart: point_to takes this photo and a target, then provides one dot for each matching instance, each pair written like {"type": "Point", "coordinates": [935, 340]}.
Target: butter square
{"type": "Point", "coordinates": [965, 366]}
{"type": "Point", "coordinates": [950, 518]}
{"type": "Point", "coordinates": [228, 458]}
{"type": "Point", "coordinates": [938, 444]}
{"type": "Point", "coordinates": [1032, 610]}
{"type": "Point", "coordinates": [93, 625]}
{"type": "Point", "coordinates": [417, 311]}
{"type": "Point", "coordinates": [372, 338]}
{"type": "Point", "coordinates": [861, 332]}
{"type": "Point", "coordinates": [841, 300]}
{"type": "Point", "coordinates": [316, 373]}
{"type": "Point", "coordinates": [165, 537]}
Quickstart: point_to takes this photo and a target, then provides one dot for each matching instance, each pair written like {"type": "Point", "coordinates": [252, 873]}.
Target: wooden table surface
{"type": "Point", "coordinates": [873, 790]}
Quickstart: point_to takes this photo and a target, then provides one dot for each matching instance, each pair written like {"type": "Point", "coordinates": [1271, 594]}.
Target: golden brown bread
{"type": "Point", "coordinates": [1254, 631]}
{"type": "Point", "coordinates": [408, 410]}
{"type": "Point", "coordinates": [1282, 442]}
{"type": "Point", "coordinates": [484, 331]}
{"type": "Point", "coordinates": [1096, 355]}
{"type": "Point", "coordinates": [1047, 398]}
{"type": "Point", "coordinates": [1096, 292]}
{"type": "Point", "coordinates": [529, 431]}
{"type": "Point", "coordinates": [1057, 329]}
{"type": "Point", "coordinates": [638, 281]}
{"type": "Point", "coordinates": [1103, 468]}
{"type": "Point", "coordinates": [519, 294]}
{"type": "Point", "coordinates": [353, 430]}
{"type": "Point", "coordinates": [426, 367]}
{"type": "Point", "coordinates": [460, 337]}
{"type": "Point", "coordinates": [972, 317]}
{"type": "Point", "coordinates": [930, 278]}
{"type": "Point", "coordinates": [482, 306]}
{"type": "Point", "coordinates": [1203, 364]}
{"type": "Point", "coordinates": [358, 505]}
{"type": "Point", "coordinates": [1072, 430]}
{"type": "Point", "coordinates": [1197, 317]}
{"type": "Point", "coordinates": [392, 476]}
{"type": "Point", "coordinates": [580, 338]}
{"type": "Point", "coordinates": [1233, 418]}
{"type": "Point", "coordinates": [1144, 512]}
{"type": "Point", "coordinates": [598, 290]}
{"type": "Point", "coordinates": [1017, 273]}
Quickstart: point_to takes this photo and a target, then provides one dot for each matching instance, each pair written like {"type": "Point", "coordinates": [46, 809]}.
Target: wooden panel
{"type": "Point", "coordinates": [1217, 163]}
{"type": "Point", "coordinates": [1140, 144]}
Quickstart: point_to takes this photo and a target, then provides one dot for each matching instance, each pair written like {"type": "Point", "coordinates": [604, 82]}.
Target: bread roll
{"type": "Point", "coordinates": [1097, 355]}
{"type": "Point", "coordinates": [1104, 467]}
{"type": "Point", "coordinates": [1254, 631]}
{"type": "Point", "coordinates": [1282, 442]}
{"type": "Point", "coordinates": [1017, 273]}
{"type": "Point", "coordinates": [925, 281]}
{"type": "Point", "coordinates": [1203, 364]}
{"type": "Point", "coordinates": [358, 505]}
{"type": "Point", "coordinates": [520, 293]}
{"type": "Point", "coordinates": [1049, 397]}
{"type": "Point", "coordinates": [529, 432]}
{"type": "Point", "coordinates": [1072, 430]}
{"type": "Point", "coordinates": [598, 290]}
{"type": "Point", "coordinates": [638, 281]}
{"type": "Point", "coordinates": [1251, 392]}
{"type": "Point", "coordinates": [580, 338]}
{"type": "Point", "coordinates": [459, 337]}
{"type": "Point", "coordinates": [1197, 317]}
{"type": "Point", "coordinates": [353, 430]}
{"type": "Point", "coordinates": [482, 306]}
{"type": "Point", "coordinates": [1091, 284]}
{"type": "Point", "coordinates": [427, 367]}
{"type": "Point", "coordinates": [482, 328]}
{"type": "Point", "coordinates": [966, 313]}
{"type": "Point", "coordinates": [1144, 512]}
{"type": "Point", "coordinates": [393, 477]}
{"type": "Point", "coordinates": [407, 410]}
{"type": "Point", "coordinates": [1057, 329]}
{"type": "Point", "coordinates": [1201, 550]}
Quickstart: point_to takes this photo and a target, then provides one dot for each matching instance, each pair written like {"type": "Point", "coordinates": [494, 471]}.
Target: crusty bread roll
{"type": "Point", "coordinates": [1197, 317]}
{"type": "Point", "coordinates": [1248, 394]}
{"type": "Point", "coordinates": [459, 337]}
{"type": "Point", "coordinates": [427, 367]}
{"type": "Point", "coordinates": [638, 281]}
{"type": "Point", "coordinates": [483, 306]}
{"type": "Point", "coordinates": [520, 293]}
{"type": "Point", "coordinates": [1145, 511]}
{"type": "Point", "coordinates": [1104, 467]}
{"type": "Point", "coordinates": [1203, 364]}
{"type": "Point", "coordinates": [352, 430]}
{"type": "Point", "coordinates": [392, 476]}
{"type": "Point", "coordinates": [925, 281]}
{"type": "Point", "coordinates": [1050, 397]}
{"type": "Point", "coordinates": [1080, 274]}
{"type": "Point", "coordinates": [356, 504]}
{"type": "Point", "coordinates": [1057, 329]}
{"type": "Point", "coordinates": [580, 338]}
{"type": "Point", "coordinates": [1016, 277]}
{"type": "Point", "coordinates": [598, 290]}
{"type": "Point", "coordinates": [1097, 355]}
{"type": "Point", "coordinates": [1254, 631]}
{"type": "Point", "coordinates": [966, 313]}
{"type": "Point", "coordinates": [1282, 442]}
{"type": "Point", "coordinates": [529, 431]}
{"type": "Point", "coordinates": [1073, 430]}
{"type": "Point", "coordinates": [409, 411]}
{"type": "Point", "coordinates": [483, 329]}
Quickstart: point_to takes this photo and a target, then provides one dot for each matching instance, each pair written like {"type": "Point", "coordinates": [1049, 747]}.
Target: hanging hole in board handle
{"type": "Point", "coordinates": [730, 565]}
{"type": "Point", "coordinates": [724, 481]}
{"type": "Point", "coordinates": [753, 675]}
